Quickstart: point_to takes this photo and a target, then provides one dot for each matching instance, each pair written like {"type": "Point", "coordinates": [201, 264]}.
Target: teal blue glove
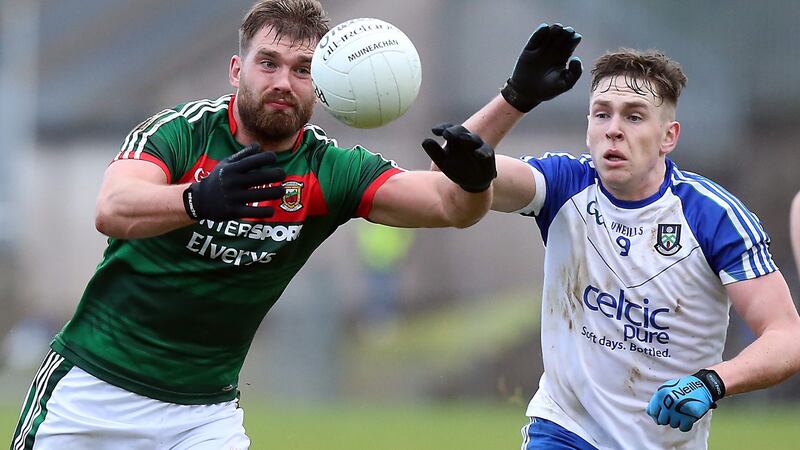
{"type": "Point", "coordinates": [682, 402]}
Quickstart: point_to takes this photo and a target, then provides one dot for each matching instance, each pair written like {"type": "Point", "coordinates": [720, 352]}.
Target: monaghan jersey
{"type": "Point", "coordinates": [633, 296]}
{"type": "Point", "coordinates": [172, 317]}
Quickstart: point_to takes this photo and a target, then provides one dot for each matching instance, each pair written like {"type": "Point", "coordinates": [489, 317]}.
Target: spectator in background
{"type": "Point", "coordinates": [382, 252]}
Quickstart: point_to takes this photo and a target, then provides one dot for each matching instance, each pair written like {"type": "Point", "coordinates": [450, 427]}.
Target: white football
{"type": "Point", "coordinates": [366, 72]}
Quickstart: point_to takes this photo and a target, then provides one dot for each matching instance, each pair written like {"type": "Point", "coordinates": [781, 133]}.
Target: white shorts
{"type": "Point", "coordinates": [66, 408]}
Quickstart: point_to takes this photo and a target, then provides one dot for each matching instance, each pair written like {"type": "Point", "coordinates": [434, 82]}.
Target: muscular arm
{"type": "Point", "coordinates": [794, 229]}
{"type": "Point", "coordinates": [766, 305]}
{"type": "Point", "coordinates": [135, 201]}
{"type": "Point", "coordinates": [427, 199]}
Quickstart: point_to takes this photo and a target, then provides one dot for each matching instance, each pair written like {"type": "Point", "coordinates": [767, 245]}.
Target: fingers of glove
{"type": "Point", "coordinates": [663, 416]}
{"type": "Point", "coordinates": [251, 149]}
{"type": "Point", "coordinates": [461, 135]}
{"type": "Point", "coordinates": [435, 151]}
{"type": "Point", "coordinates": [574, 40]}
{"type": "Point", "coordinates": [437, 130]}
{"type": "Point", "coordinates": [686, 424]}
{"type": "Point", "coordinates": [257, 177]}
{"type": "Point", "coordinates": [538, 37]}
{"type": "Point", "coordinates": [564, 44]}
{"type": "Point", "coordinates": [654, 406]}
{"type": "Point", "coordinates": [255, 161]}
{"type": "Point", "coordinates": [675, 420]}
{"type": "Point", "coordinates": [257, 212]}
{"type": "Point", "coordinates": [574, 70]}
{"type": "Point", "coordinates": [653, 412]}
{"type": "Point", "coordinates": [559, 36]}
{"type": "Point", "coordinates": [259, 195]}
{"type": "Point", "coordinates": [697, 409]}
{"type": "Point", "coordinates": [484, 152]}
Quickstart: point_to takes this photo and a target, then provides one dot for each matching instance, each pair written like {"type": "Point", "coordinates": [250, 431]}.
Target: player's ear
{"type": "Point", "coordinates": [588, 118]}
{"type": "Point", "coordinates": [235, 70]}
{"type": "Point", "coordinates": [671, 135]}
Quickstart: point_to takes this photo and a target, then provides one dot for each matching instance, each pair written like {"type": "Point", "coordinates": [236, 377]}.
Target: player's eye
{"type": "Point", "coordinates": [635, 118]}
{"type": "Point", "coordinates": [269, 64]}
{"type": "Point", "coordinates": [601, 115]}
{"type": "Point", "coordinates": [303, 71]}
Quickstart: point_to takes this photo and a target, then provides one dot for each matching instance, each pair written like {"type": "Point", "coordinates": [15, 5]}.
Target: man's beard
{"type": "Point", "coordinates": [271, 126]}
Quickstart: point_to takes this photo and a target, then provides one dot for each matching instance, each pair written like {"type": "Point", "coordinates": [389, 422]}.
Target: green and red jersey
{"type": "Point", "coordinates": [172, 317]}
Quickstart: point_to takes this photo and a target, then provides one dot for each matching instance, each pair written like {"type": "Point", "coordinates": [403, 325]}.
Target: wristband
{"type": "Point", "coordinates": [189, 204]}
{"type": "Point", "coordinates": [514, 99]}
{"type": "Point", "coordinates": [713, 383]}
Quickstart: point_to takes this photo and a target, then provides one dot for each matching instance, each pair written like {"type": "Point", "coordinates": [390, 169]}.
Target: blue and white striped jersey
{"type": "Point", "coordinates": [633, 296]}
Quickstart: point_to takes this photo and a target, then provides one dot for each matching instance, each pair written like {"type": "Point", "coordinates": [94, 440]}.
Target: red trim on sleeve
{"type": "Point", "coordinates": [365, 206]}
{"type": "Point", "coordinates": [149, 158]}
{"type": "Point", "coordinates": [199, 170]}
{"type": "Point", "coordinates": [231, 119]}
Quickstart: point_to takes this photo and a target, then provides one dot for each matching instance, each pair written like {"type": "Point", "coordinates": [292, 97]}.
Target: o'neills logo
{"type": "Point", "coordinates": [292, 198]}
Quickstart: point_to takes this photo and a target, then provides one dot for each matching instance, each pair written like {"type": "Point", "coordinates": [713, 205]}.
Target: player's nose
{"type": "Point", "coordinates": [281, 80]}
{"type": "Point", "coordinates": [614, 130]}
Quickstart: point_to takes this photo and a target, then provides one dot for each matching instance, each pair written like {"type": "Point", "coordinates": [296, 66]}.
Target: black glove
{"type": "Point", "coordinates": [545, 68]}
{"type": "Point", "coordinates": [466, 160]}
{"type": "Point", "coordinates": [234, 182]}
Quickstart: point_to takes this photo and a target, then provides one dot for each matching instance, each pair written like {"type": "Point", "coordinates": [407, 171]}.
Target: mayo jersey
{"type": "Point", "coordinates": [172, 317]}
{"type": "Point", "coordinates": [633, 296]}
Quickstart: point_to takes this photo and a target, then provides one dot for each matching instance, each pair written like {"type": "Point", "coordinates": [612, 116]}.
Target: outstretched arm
{"type": "Point", "coordinates": [427, 200]}
{"type": "Point", "coordinates": [458, 196]}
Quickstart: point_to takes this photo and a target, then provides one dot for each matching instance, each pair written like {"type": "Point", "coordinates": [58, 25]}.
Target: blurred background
{"type": "Point", "coordinates": [458, 322]}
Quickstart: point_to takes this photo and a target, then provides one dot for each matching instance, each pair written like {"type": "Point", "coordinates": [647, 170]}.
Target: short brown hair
{"type": "Point", "coordinates": [303, 21]}
{"type": "Point", "coordinates": [649, 70]}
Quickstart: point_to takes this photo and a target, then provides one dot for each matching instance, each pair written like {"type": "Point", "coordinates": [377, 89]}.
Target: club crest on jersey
{"type": "Point", "coordinates": [668, 239]}
{"type": "Point", "coordinates": [292, 198]}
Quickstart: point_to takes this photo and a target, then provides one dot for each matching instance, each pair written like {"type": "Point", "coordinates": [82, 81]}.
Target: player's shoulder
{"type": "Point", "coordinates": [316, 145]}
{"type": "Point", "coordinates": [698, 191]}
{"type": "Point", "coordinates": [564, 172]}
{"type": "Point", "coordinates": [203, 109]}
{"type": "Point", "coordinates": [708, 202]}
{"type": "Point", "coordinates": [316, 139]}
{"type": "Point", "coordinates": [187, 115]}
{"type": "Point", "coordinates": [562, 157]}
{"type": "Point", "coordinates": [561, 161]}
{"type": "Point", "coordinates": [320, 147]}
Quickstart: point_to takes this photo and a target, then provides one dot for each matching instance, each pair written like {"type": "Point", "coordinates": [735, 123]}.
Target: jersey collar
{"type": "Point", "coordinates": [633, 204]}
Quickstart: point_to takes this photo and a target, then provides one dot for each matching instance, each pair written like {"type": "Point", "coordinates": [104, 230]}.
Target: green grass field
{"type": "Point", "coordinates": [460, 427]}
